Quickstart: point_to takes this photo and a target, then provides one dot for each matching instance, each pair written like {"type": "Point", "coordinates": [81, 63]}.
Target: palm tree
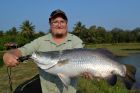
{"type": "Point", "coordinates": [78, 29]}
{"type": "Point", "coordinates": [27, 29]}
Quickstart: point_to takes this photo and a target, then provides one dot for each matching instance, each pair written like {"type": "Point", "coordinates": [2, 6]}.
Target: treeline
{"type": "Point", "coordinates": [22, 35]}
{"type": "Point", "coordinates": [96, 35]}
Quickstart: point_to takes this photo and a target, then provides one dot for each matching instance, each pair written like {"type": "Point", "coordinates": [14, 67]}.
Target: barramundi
{"type": "Point", "coordinates": [100, 63]}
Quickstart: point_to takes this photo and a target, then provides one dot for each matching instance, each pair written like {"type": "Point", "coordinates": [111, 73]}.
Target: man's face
{"type": "Point", "coordinates": [58, 27]}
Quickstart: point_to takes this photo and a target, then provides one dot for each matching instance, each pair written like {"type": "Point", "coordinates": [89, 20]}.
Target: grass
{"type": "Point", "coordinates": [21, 73]}
{"type": "Point", "coordinates": [120, 49]}
{"type": "Point", "coordinates": [25, 71]}
{"type": "Point", "coordinates": [94, 86]}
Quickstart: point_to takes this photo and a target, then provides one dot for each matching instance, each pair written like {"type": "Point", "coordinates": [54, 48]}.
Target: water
{"type": "Point", "coordinates": [133, 59]}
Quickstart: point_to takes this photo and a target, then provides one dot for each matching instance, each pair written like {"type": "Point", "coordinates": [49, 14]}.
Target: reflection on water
{"type": "Point", "coordinates": [133, 59]}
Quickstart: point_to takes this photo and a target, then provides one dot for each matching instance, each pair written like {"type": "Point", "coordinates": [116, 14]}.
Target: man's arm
{"type": "Point", "coordinates": [10, 57]}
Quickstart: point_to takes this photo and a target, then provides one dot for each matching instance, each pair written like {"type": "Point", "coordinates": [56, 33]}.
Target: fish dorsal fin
{"type": "Point", "coordinates": [105, 52]}
{"type": "Point", "coordinates": [65, 79]}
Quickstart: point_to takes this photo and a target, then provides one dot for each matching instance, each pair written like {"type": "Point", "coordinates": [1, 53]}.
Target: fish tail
{"type": "Point", "coordinates": [129, 78]}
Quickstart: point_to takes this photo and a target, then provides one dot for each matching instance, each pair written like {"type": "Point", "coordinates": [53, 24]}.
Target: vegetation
{"type": "Point", "coordinates": [118, 49]}
{"type": "Point", "coordinates": [25, 34]}
{"type": "Point", "coordinates": [99, 35]}
{"type": "Point", "coordinates": [19, 74]}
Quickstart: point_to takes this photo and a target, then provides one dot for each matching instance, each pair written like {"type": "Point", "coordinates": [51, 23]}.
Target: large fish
{"type": "Point", "coordinates": [71, 63]}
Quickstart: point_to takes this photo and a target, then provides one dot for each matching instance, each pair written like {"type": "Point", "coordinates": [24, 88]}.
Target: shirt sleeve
{"type": "Point", "coordinates": [77, 42]}
{"type": "Point", "coordinates": [29, 48]}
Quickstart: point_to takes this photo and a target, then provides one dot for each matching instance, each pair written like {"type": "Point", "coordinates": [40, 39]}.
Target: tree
{"type": "Point", "coordinates": [108, 37]}
{"type": "Point", "coordinates": [77, 28]}
{"type": "Point", "coordinates": [136, 34]}
{"type": "Point", "coordinates": [40, 33]}
{"type": "Point", "coordinates": [101, 33]}
{"type": "Point", "coordinates": [1, 33]}
{"type": "Point", "coordinates": [80, 30]}
{"type": "Point", "coordinates": [27, 29]}
{"type": "Point", "coordinates": [92, 34]}
{"type": "Point", "coordinates": [20, 40]}
{"type": "Point", "coordinates": [116, 35]}
{"type": "Point", "coordinates": [97, 34]}
{"type": "Point", "coordinates": [13, 31]}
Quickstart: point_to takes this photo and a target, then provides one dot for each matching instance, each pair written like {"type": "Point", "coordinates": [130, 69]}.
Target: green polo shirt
{"type": "Point", "coordinates": [45, 43]}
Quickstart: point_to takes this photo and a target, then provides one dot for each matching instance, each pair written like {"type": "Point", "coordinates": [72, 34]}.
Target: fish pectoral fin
{"type": "Point", "coordinates": [42, 66]}
{"type": "Point", "coordinates": [112, 79]}
{"type": "Point", "coordinates": [48, 65]}
{"type": "Point", "coordinates": [65, 79]}
{"type": "Point", "coordinates": [62, 62]}
{"type": "Point", "coordinates": [51, 65]}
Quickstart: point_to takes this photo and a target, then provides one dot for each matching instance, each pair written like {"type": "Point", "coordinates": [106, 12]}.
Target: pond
{"type": "Point", "coordinates": [133, 59]}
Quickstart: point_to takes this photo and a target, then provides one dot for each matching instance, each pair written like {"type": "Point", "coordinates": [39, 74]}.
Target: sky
{"type": "Point", "coordinates": [124, 14]}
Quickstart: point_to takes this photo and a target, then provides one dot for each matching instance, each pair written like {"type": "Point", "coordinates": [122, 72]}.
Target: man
{"type": "Point", "coordinates": [58, 39]}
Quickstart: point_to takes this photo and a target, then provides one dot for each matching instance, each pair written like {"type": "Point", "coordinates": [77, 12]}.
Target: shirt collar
{"type": "Point", "coordinates": [49, 36]}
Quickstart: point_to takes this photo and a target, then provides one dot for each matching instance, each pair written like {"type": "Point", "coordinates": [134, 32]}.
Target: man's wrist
{"type": "Point", "coordinates": [15, 52]}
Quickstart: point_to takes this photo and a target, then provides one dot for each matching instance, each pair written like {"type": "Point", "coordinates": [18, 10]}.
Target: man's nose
{"type": "Point", "coordinates": [59, 24]}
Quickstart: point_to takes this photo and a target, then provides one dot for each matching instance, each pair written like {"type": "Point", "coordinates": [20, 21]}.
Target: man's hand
{"type": "Point", "coordinates": [87, 75]}
{"type": "Point", "coordinates": [10, 58]}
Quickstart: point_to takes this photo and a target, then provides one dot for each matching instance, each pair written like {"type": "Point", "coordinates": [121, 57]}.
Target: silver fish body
{"type": "Point", "coordinates": [71, 63]}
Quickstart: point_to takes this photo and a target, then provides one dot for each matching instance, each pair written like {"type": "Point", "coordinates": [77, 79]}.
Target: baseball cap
{"type": "Point", "coordinates": [56, 12]}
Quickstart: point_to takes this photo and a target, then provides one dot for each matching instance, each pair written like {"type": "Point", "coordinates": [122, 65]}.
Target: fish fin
{"type": "Point", "coordinates": [64, 79]}
{"type": "Point", "coordinates": [129, 78]}
{"type": "Point", "coordinates": [112, 79]}
{"type": "Point", "coordinates": [47, 66]}
{"type": "Point", "coordinates": [59, 63]}
{"type": "Point", "coordinates": [42, 66]}
{"type": "Point", "coordinates": [62, 62]}
{"type": "Point", "coordinates": [106, 52]}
